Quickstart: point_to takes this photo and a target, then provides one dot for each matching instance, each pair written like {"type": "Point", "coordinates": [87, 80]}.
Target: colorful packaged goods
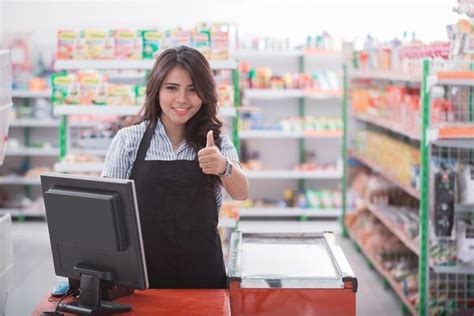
{"type": "Point", "coordinates": [140, 95]}
{"type": "Point", "coordinates": [65, 89]}
{"type": "Point", "coordinates": [93, 88]}
{"type": "Point", "coordinates": [152, 43]}
{"type": "Point", "coordinates": [66, 44]}
{"type": "Point", "coordinates": [219, 41]}
{"type": "Point", "coordinates": [98, 44]}
{"type": "Point", "coordinates": [121, 94]}
{"type": "Point", "coordinates": [128, 44]}
{"type": "Point", "coordinates": [201, 41]}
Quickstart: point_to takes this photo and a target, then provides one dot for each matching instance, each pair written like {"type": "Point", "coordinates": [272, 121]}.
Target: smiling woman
{"type": "Point", "coordinates": [179, 161]}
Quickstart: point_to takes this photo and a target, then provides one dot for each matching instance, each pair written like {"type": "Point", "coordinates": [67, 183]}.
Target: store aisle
{"type": "Point", "coordinates": [33, 273]}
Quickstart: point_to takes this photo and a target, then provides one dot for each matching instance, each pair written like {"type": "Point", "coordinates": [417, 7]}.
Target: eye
{"type": "Point", "coordinates": [171, 88]}
{"type": "Point", "coordinates": [192, 90]}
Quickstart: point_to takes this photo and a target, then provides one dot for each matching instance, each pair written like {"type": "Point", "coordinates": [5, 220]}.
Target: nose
{"type": "Point", "coordinates": [182, 96]}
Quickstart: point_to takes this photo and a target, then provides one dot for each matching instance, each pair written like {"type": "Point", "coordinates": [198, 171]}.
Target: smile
{"type": "Point", "coordinates": [180, 110]}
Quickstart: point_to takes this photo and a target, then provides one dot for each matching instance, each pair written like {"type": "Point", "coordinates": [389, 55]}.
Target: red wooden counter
{"type": "Point", "coordinates": [165, 302]}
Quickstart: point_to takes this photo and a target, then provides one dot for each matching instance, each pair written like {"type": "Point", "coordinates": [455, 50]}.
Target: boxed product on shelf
{"type": "Point", "coordinates": [219, 41]}
{"type": "Point", "coordinates": [395, 157]}
{"type": "Point", "coordinates": [140, 95]}
{"type": "Point", "coordinates": [66, 44]}
{"type": "Point", "coordinates": [128, 44]}
{"type": "Point", "coordinates": [201, 41]}
{"type": "Point", "coordinates": [121, 94]}
{"type": "Point", "coordinates": [93, 88]}
{"type": "Point", "coordinates": [65, 88]}
{"type": "Point", "coordinates": [151, 40]}
{"type": "Point", "coordinates": [95, 44]}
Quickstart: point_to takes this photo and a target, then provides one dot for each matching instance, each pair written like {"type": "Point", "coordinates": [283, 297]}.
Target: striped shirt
{"type": "Point", "coordinates": [123, 151]}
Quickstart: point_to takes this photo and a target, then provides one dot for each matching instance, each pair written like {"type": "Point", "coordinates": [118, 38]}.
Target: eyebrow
{"type": "Point", "coordinates": [177, 84]}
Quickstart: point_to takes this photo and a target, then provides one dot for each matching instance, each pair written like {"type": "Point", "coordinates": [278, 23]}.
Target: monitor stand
{"type": "Point", "coordinates": [90, 302]}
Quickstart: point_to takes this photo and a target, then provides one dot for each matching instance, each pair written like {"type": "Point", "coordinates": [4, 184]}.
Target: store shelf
{"type": "Point", "coordinates": [388, 125]}
{"type": "Point", "coordinates": [50, 152]}
{"type": "Point", "coordinates": [128, 64]}
{"type": "Point", "coordinates": [31, 94]}
{"type": "Point", "coordinates": [226, 222]}
{"type": "Point", "coordinates": [63, 109]}
{"type": "Point", "coordinates": [433, 80]}
{"type": "Point", "coordinates": [34, 123]}
{"type": "Point", "coordinates": [227, 112]}
{"type": "Point", "coordinates": [289, 212]}
{"type": "Point", "coordinates": [393, 227]}
{"type": "Point", "coordinates": [396, 287]}
{"type": "Point", "coordinates": [49, 123]}
{"type": "Point", "coordinates": [101, 152]}
{"type": "Point", "coordinates": [95, 110]}
{"type": "Point", "coordinates": [16, 180]}
{"type": "Point", "coordinates": [293, 174]}
{"type": "Point", "coordinates": [384, 75]}
{"type": "Point", "coordinates": [408, 189]}
{"type": "Point", "coordinates": [461, 136]}
{"type": "Point", "coordinates": [249, 53]}
{"type": "Point", "coordinates": [78, 167]}
{"type": "Point", "coordinates": [283, 134]}
{"type": "Point", "coordinates": [15, 213]}
{"type": "Point", "coordinates": [459, 269]}
{"type": "Point", "coordinates": [274, 94]}
{"type": "Point", "coordinates": [323, 96]}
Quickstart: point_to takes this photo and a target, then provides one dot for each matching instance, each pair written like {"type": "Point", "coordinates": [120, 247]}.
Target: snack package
{"type": "Point", "coordinates": [151, 41]}
{"type": "Point", "coordinates": [226, 95]}
{"type": "Point", "coordinates": [66, 44]}
{"type": "Point", "coordinates": [182, 37]}
{"type": "Point", "coordinates": [93, 88]}
{"type": "Point", "coordinates": [98, 44]}
{"type": "Point", "coordinates": [219, 41]}
{"type": "Point", "coordinates": [121, 94]}
{"type": "Point", "coordinates": [140, 95]}
{"type": "Point", "coordinates": [202, 42]}
{"type": "Point", "coordinates": [65, 88]}
{"type": "Point", "coordinates": [168, 40]}
{"type": "Point", "coordinates": [128, 44]}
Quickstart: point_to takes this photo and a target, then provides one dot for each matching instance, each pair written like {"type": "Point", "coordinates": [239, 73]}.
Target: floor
{"type": "Point", "coordinates": [33, 272]}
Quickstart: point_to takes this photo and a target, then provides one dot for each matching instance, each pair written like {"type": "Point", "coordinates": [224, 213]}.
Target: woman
{"type": "Point", "coordinates": [179, 160]}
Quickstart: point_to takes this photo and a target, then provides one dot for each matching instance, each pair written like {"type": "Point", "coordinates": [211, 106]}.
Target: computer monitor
{"type": "Point", "coordinates": [95, 234]}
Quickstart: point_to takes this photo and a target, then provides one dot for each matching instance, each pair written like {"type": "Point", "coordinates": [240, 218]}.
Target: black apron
{"type": "Point", "coordinates": [179, 217]}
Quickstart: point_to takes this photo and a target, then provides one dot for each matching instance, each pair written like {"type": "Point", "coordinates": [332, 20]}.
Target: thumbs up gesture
{"type": "Point", "coordinates": [210, 158]}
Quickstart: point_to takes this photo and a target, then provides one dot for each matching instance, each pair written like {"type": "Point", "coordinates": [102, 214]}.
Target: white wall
{"type": "Point", "coordinates": [280, 18]}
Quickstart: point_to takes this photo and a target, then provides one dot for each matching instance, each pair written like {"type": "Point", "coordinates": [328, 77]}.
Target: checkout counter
{"type": "Point", "coordinates": [270, 274]}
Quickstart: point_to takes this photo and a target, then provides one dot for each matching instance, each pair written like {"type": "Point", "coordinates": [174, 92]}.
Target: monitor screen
{"type": "Point", "coordinates": [94, 229]}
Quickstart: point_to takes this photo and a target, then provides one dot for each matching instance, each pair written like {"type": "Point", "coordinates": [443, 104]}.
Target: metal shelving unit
{"type": "Point", "coordinates": [445, 288]}
{"type": "Point", "coordinates": [301, 137]}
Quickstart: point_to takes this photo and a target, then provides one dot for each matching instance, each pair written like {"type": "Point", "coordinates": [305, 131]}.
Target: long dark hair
{"type": "Point", "coordinates": [206, 119]}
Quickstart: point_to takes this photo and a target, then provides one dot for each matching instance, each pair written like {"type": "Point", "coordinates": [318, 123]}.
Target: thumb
{"type": "Point", "coordinates": [210, 139]}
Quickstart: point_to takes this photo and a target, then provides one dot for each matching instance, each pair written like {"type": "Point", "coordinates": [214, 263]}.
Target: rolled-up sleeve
{"type": "Point", "coordinates": [119, 158]}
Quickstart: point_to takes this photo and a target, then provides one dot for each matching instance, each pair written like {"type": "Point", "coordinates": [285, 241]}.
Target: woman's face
{"type": "Point", "coordinates": [178, 99]}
